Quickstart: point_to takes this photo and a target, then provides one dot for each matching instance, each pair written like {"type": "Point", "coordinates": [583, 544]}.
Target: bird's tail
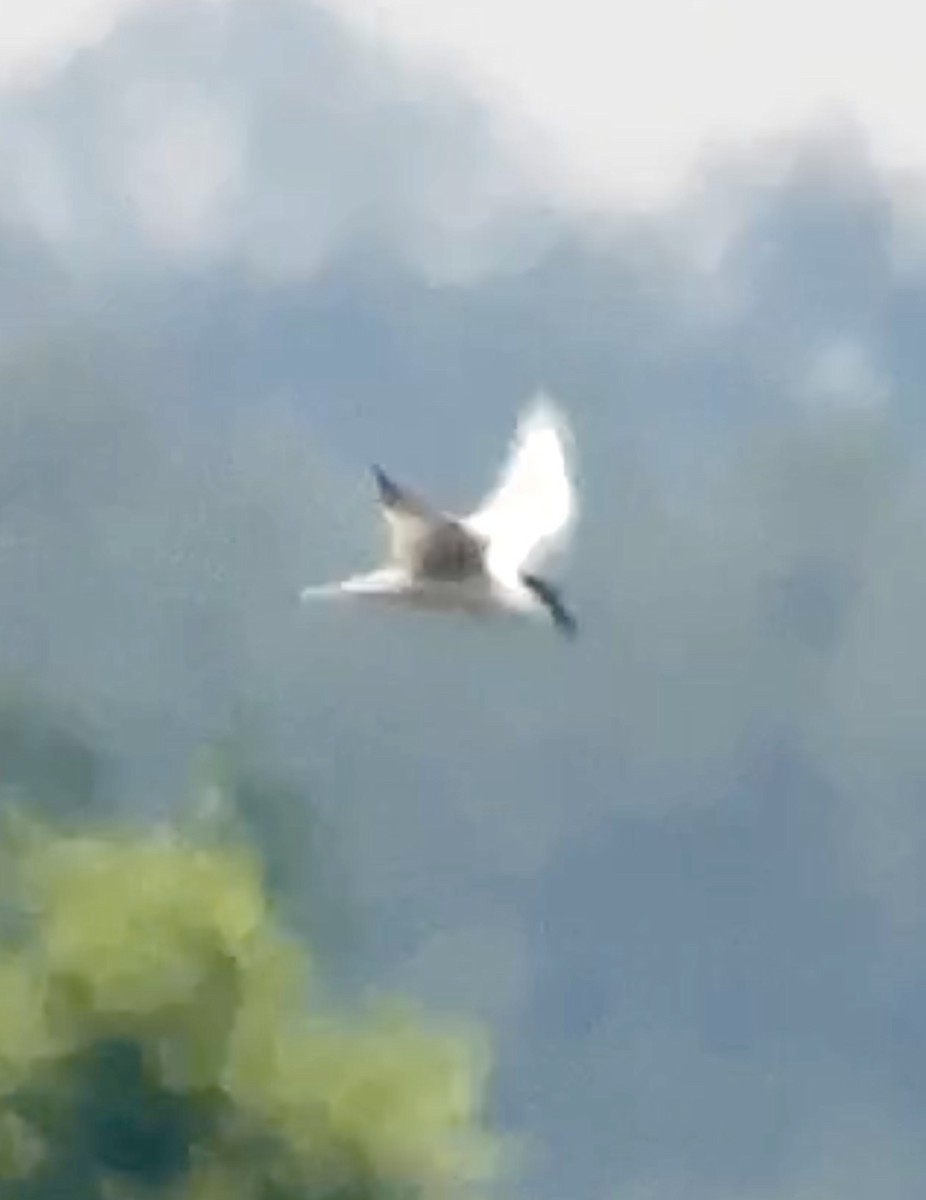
{"type": "Point", "coordinates": [320, 591]}
{"type": "Point", "coordinates": [385, 581]}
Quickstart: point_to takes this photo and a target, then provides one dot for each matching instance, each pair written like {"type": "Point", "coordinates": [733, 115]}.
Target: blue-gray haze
{"type": "Point", "coordinates": [678, 866]}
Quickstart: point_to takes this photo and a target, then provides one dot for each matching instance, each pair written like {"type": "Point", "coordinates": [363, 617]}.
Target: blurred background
{"type": "Point", "coordinates": [677, 870]}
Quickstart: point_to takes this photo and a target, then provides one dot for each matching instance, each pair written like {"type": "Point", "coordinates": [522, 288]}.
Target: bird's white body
{"type": "Point", "coordinates": [482, 564]}
{"type": "Point", "coordinates": [477, 597]}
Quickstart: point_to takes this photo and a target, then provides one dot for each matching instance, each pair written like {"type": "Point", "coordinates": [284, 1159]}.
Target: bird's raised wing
{"type": "Point", "coordinates": [409, 520]}
{"type": "Point", "coordinates": [532, 509]}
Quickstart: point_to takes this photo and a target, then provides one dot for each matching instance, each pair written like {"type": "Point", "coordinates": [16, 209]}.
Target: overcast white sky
{"type": "Point", "coordinates": [35, 35]}
{"type": "Point", "coordinates": [621, 97]}
{"type": "Point", "coordinates": [631, 93]}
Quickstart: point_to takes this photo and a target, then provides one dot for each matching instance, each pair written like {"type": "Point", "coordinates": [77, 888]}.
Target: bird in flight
{"type": "Point", "coordinates": [486, 563]}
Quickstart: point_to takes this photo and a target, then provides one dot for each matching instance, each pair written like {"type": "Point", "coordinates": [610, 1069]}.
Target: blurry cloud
{"type": "Point", "coordinates": [260, 131]}
{"type": "Point", "coordinates": [843, 374]}
{"type": "Point", "coordinates": [483, 968]}
{"type": "Point", "coordinates": [847, 1156]}
{"type": "Point", "coordinates": [625, 100]}
{"type": "Point", "coordinates": [183, 167]}
{"type": "Point", "coordinates": [39, 35]}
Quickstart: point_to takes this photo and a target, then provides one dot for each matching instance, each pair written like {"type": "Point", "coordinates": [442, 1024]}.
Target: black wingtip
{"type": "Point", "coordinates": [564, 621]}
{"type": "Point", "coordinates": [567, 624]}
{"type": "Point", "coordinates": [545, 591]}
{"type": "Point", "coordinates": [389, 492]}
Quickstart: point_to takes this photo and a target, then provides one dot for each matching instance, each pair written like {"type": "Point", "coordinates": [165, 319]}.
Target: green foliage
{"type": "Point", "coordinates": [160, 1036]}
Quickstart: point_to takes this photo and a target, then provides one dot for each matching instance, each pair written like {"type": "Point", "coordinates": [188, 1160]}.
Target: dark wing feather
{"type": "Point", "coordinates": [426, 541]}
{"type": "Point", "coordinates": [409, 519]}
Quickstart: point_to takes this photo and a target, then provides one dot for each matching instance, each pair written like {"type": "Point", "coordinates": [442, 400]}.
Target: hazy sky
{"type": "Point", "coordinates": [248, 247]}
{"type": "Point", "coordinates": [38, 37]}
{"type": "Point", "coordinates": [618, 100]}
{"type": "Point", "coordinates": [632, 94]}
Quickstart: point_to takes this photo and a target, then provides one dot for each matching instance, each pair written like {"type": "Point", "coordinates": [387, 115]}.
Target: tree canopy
{"type": "Point", "coordinates": [161, 1035]}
